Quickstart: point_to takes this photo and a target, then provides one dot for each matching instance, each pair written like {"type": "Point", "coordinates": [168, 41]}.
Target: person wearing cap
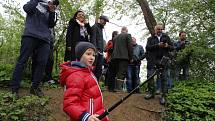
{"type": "Point", "coordinates": [36, 37]}
{"type": "Point", "coordinates": [83, 99]}
{"type": "Point", "coordinates": [97, 39]}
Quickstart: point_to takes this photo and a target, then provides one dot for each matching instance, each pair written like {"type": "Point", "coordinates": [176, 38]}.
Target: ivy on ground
{"type": "Point", "coordinates": [191, 101]}
{"type": "Point", "coordinates": [28, 108]}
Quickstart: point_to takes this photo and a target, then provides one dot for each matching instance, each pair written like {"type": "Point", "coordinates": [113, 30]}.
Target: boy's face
{"type": "Point", "coordinates": [88, 57]}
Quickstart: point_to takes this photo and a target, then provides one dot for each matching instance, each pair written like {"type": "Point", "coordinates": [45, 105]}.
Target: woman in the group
{"type": "Point", "coordinates": [77, 31]}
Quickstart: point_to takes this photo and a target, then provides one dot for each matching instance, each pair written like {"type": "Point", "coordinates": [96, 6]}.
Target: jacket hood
{"type": "Point", "coordinates": [68, 68]}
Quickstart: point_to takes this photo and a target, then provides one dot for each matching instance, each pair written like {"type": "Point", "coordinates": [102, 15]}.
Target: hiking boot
{"type": "Point", "coordinates": [149, 96]}
{"type": "Point", "coordinates": [162, 101]}
{"type": "Point", "coordinates": [36, 91]}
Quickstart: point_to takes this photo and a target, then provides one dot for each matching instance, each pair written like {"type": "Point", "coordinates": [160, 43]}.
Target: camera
{"type": "Point", "coordinates": [56, 2]}
{"type": "Point", "coordinates": [164, 61]}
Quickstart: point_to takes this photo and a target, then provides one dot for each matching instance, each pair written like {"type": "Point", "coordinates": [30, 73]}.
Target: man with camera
{"type": "Point", "coordinates": [36, 37]}
{"type": "Point", "coordinates": [182, 65]}
{"type": "Point", "coordinates": [157, 47]}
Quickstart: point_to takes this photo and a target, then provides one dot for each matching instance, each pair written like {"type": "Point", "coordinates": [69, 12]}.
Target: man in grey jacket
{"type": "Point", "coordinates": [36, 37]}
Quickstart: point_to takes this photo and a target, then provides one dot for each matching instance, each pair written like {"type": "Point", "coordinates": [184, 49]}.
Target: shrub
{"type": "Point", "coordinates": [191, 100]}
{"type": "Point", "coordinates": [28, 108]}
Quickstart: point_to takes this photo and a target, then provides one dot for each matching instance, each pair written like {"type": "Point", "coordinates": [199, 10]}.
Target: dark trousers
{"type": "Point", "coordinates": [133, 79]}
{"type": "Point", "coordinates": [118, 69]}
{"type": "Point", "coordinates": [98, 69]}
{"type": "Point", "coordinates": [162, 76]}
{"type": "Point", "coordinates": [110, 77]}
{"type": "Point", "coordinates": [49, 65]}
{"type": "Point", "coordinates": [28, 45]}
{"type": "Point", "coordinates": [185, 71]}
{"type": "Point", "coordinates": [151, 83]}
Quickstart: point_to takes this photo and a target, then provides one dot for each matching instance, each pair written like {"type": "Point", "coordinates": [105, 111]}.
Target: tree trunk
{"type": "Point", "coordinates": [148, 15]}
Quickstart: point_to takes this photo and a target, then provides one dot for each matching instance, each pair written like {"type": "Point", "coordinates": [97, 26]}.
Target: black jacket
{"type": "Point", "coordinates": [73, 37]}
{"type": "Point", "coordinates": [97, 37]}
{"type": "Point", "coordinates": [154, 53]}
{"type": "Point", "coordinates": [122, 47]}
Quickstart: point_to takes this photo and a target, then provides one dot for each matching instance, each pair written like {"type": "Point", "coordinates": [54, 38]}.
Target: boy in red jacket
{"type": "Point", "coordinates": [83, 99]}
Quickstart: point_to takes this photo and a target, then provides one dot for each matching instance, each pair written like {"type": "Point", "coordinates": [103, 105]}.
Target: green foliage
{"type": "Point", "coordinates": [202, 61]}
{"type": "Point", "coordinates": [5, 72]}
{"type": "Point", "coordinates": [29, 108]}
{"type": "Point", "coordinates": [191, 100]}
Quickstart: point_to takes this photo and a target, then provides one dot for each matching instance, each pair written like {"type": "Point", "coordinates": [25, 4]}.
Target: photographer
{"type": "Point", "coordinates": [182, 64]}
{"type": "Point", "coordinates": [158, 46]}
{"type": "Point", "coordinates": [36, 38]}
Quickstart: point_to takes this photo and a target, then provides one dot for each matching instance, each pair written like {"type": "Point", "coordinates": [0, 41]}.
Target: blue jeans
{"type": "Point", "coordinates": [169, 80]}
{"type": "Point", "coordinates": [133, 79]}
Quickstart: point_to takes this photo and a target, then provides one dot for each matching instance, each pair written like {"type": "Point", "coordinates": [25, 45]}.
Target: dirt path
{"type": "Point", "coordinates": [135, 108]}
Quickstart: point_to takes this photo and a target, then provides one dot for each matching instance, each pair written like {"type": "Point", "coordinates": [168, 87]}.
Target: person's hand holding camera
{"type": "Point", "coordinates": [161, 45]}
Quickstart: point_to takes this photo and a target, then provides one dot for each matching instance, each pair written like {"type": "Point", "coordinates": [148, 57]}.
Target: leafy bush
{"type": "Point", "coordinates": [28, 108]}
{"type": "Point", "coordinates": [5, 74]}
{"type": "Point", "coordinates": [202, 61]}
{"type": "Point", "coordinates": [191, 100]}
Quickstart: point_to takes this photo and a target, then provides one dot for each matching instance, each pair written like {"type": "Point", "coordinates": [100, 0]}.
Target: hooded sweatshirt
{"type": "Point", "coordinates": [82, 96]}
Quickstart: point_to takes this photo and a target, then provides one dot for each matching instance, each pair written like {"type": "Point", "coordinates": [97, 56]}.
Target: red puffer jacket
{"type": "Point", "coordinates": [82, 96]}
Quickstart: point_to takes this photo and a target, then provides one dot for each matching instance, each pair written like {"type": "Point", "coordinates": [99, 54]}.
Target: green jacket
{"type": "Point", "coordinates": [122, 47]}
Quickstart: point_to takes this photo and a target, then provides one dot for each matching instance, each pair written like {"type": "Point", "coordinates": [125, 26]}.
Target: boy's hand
{"type": "Point", "coordinates": [93, 118]}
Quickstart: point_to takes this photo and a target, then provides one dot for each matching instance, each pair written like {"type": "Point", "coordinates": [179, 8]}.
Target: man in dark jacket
{"type": "Point", "coordinates": [133, 79]}
{"type": "Point", "coordinates": [97, 39]}
{"type": "Point", "coordinates": [36, 37]}
{"type": "Point", "coordinates": [157, 46]}
{"type": "Point", "coordinates": [121, 56]}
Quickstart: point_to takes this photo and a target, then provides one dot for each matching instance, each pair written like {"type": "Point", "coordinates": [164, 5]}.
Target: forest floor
{"type": "Point", "coordinates": [135, 108]}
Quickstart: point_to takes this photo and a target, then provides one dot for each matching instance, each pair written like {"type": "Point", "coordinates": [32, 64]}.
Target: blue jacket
{"type": "Point", "coordinates": [138, 54]}
{"type": "Point", "coordinates": [37, 23]}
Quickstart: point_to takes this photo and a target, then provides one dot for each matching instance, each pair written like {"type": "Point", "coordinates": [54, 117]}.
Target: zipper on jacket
{"type": "Point", "coordinates": [97, 84]}
{"type": "Point", "coordinates": [91, 106]}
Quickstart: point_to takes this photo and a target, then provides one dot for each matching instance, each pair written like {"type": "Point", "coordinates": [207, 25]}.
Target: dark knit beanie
{"type": "Point", "coordinates": [81, 47]}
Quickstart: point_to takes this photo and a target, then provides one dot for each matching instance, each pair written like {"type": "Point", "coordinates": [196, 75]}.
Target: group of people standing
{"type": "Point", "coordinates": [84, 59]}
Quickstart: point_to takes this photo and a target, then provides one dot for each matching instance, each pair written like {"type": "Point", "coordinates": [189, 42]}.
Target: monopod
{"type": "Point", "coordinates": [107, 111]}
{"type": "Point", "coordinates": [163, 63]}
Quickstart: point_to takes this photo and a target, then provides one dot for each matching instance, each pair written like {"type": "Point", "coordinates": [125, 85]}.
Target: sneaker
{"type": "Point", "coordinates": [149, 96]}
{"type": "Point", "coordinates": [162, 101]}
{"type": "Point", "coordinates": [121, 80]}
{"type": "Point", "coordinates": [158, 92]}
{"type": "Point", "coordinates": [36, 91]}
{"type": "Point", "coordinates": [51, 82]}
